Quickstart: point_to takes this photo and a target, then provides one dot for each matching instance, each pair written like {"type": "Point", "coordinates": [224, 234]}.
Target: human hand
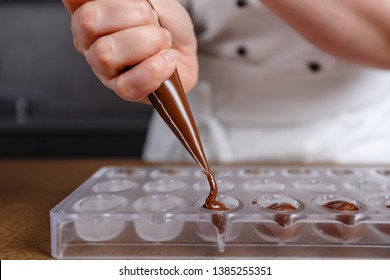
{"type": "Point", "coordinates": [128, 49]}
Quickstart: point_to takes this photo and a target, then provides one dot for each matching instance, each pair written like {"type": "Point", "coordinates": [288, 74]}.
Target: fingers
{"type": "Point", "coordinates": [110, 54]}
{"type": "Point", "coordinates": [72, 5]}
{"type": "Point", "coordinates": [97, 18]}
{"type": "Point", "coordinates": [145, 77]}
{"type": "Point", "coordinates": [127, 48]}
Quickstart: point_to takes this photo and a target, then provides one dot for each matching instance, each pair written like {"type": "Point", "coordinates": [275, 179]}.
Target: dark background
{"type": "Point", "coordinates": [51, 105]}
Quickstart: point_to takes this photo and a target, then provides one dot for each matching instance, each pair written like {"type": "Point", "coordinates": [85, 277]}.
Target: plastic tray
{"type": "Point", "coordinates": [156, 212]}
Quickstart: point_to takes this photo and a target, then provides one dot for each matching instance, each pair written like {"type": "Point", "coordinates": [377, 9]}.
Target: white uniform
{"type": "Point", "coordinates": [266, 94]}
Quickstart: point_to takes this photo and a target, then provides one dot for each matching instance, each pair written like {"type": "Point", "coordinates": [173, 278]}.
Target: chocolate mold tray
{"type": "Point", "coordinates": [156, 212]}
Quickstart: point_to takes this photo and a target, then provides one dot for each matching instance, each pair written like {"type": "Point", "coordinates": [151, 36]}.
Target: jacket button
{"type": "Point", "coordinates": [242, 51]}
{"type": "Point", "coordinates": [241, 3]}
{"type": "Point", "coordinates": [314, 66]}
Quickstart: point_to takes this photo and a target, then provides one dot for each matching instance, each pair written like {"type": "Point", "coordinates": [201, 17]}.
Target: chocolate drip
{"type": "Point", "coordinates": [171, 103]}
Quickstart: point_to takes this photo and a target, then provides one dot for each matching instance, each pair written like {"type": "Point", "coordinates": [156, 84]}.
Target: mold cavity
{"type": "Point", "coordinates": [169, 172]}
{"type": "Point", "coordinates": [335, 204]}
{"type": "Point", "coordinates": [385, 172]}
{"type": "Point", "coordinates": [366, 186]}
{"type": "Point", "coordinates": [219, 229]}
{"type": "Point", "coordinates": [165, 185]}
{"type": "Point", "coordinates": [277, 203]}
{"type": "Point", "coordinates": [116, 185]}
{"type": "Point", "coordinates": [265, 185]}
{"type": "Point", "coordinates": [315, 185]}
{"type": "Point", "coordinates": [100, 203]}
{"type": "Point", "coordinates": [344, 173]}
{"type": "Point", "coordinates": [158, 204]}
{"type": "Point", "coordinates": [381, 202]}
{"type": "Point", "coordinates": [156, 222]}
{"type": "Point", "coordinates": [282, 210]}
{"type": "Point", "coordinates": [124, 172]}
{"type": "Point", "coordinates": [301, 172]}
{"type": "Point", "coordinates": [251, 172]}
{"type": "Point", "coordinates": [94, 223]}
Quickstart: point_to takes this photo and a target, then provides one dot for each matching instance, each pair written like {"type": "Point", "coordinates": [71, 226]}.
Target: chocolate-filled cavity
{"type": "Point", "coordinates": [219, 219]}
{"type": "Point", "coordinates": [349, 229]}
{"type": "Point", "coordinates": [344, 209]}
{"type": "Point", "coordinates": [281, 209]}
{"type": "Point", "coordinates": [341, 205]}
{"type": "Point", "coordinates": [171, 103]}
{"type": "Point", "coordinates": [285, 230]}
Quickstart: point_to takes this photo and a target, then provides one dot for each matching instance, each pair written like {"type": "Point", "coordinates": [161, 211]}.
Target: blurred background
{"type": "Point", "coordinates": [51, 105]}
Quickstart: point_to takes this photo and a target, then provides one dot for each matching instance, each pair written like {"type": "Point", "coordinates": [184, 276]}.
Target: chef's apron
{"type": "Point", "coordinates": [266, 94]}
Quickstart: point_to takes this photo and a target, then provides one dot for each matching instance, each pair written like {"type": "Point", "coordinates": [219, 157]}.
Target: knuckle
{"type": "Point", "coordinates": [103, 51]}
{"type": "Point", "coordinates": [158, 36]}
{"type": "Point", "coordinates": [87, 18]}
{"type": "Point", "coordinates": [155, 70]}
{"type": "Point", "coordinates": [126, 91]}
{"type": "Point", "coordinates": [144, 12]}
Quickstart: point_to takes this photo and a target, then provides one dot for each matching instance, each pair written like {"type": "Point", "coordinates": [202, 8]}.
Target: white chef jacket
{"type": "Point", "coordinates": [267, 94]}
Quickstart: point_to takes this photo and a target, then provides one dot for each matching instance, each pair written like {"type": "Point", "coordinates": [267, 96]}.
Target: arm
{"type": "Point", "coordinates": [357, 30]}
{"type": "Point", "coordinates": [127, 48]}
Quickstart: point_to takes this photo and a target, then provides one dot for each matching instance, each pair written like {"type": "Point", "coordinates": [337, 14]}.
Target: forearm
{"type": "Point", "coordinates": [357, 30]}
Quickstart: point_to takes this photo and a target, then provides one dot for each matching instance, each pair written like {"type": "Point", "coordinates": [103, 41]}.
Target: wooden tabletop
{"type": "Point", "coordinates": [30, 188]}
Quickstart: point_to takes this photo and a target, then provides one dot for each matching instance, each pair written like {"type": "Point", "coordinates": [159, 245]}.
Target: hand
{"type": "Point", "coordinates": [128, 49]}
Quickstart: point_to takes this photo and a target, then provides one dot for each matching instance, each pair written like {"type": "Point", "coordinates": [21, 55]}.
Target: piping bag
{"type": "Point", "coordinates": [170, 101]}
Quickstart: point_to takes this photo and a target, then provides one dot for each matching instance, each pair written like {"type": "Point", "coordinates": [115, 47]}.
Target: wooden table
{"type": "Point", "coordinates": [30, 188]}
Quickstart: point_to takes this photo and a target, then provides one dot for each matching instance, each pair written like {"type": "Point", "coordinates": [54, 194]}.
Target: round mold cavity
{"type": "Point", "coordinates": [282, 228]}
{"type": "Point", "coordinates": [95, 222]}
{"type": "Point", "coordinates": [382, 202]}
{"type": "Point", "coordinates": [315, 185]}
{"type": "Point", "coordinates": [165, 186]}
{"type": "Point", "coordinates": [338, 204]}
{"type": "Point", "coordinates": [155, 224]}
{"type": "Point", "coordinates": [300, 172]}
{"type": "Point", "coordinates": [219, 229]}
{"type": "Point", "coordinates": [345, 228]}
{"type": "Point", "coordinates": [383, 172]}
{"type": "Point", "coordinates": [169, 172]}
{"type": "Point", "coordinates": [223, 186]}
{"type": "Point", "coordinates": [125, 172]}
{"type": "Point", "coordinates": [264, 185]}
{"type": "Point", "coordinates": [115, 185]}
{"type": "Point", "coordinates": [368, 186]}
{"type": "Point", "coordinates": [255, 172]}
{"type": "Point", "coordinates": [344, 173]}
{"type": "Point", "coordinates": [232, 204]}
{"type": "Point", "coordinates": [101, 203]}
{"type": "Point", "coordinates": [277, 203]}
{"type": "Point", "coordinates": [159, 203]}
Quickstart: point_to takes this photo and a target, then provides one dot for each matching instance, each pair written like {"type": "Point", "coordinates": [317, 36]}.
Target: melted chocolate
{"type": "Point", "coordinates": [284, 220]}
{"type": "Point", "coordinates": [171, 103]}
{"type": "Point", "coordinates": [282, 206]}
{"type": "Point", "coordinates": [341, 205]}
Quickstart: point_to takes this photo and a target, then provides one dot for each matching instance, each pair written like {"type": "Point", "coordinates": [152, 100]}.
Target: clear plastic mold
{"type": "Point", "coordinates": [153, 212]}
